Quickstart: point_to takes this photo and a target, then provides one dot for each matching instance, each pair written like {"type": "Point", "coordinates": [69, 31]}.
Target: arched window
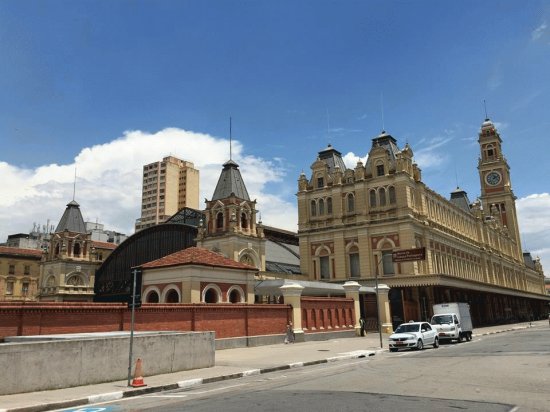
{"type": "Point", "coordinates": [75, 280]}
{"type": "Point", "coordinates": [372, 198]}
{"type": "Point", "coordinates": [152, 297]}
{"type": "Point", "coordinates": [235, 294]}
{"type": "Point", "coordinates": [391, 192]}
{"type": "Point", "coordinates": [313, 208]}
{"type": "Point", "coordinates": [329, 206]}
{"type": "Point", "coordinates": [57, 250]}
{"type": "Point", "coordinates": [212, 294]}
{"type": "Point", "coordinates": [76, 250]}
{"type": "Point", "coordinates": [354, 270]}
{"type": "Point", "coordinates": [244, 222]}
{"type": "Point", "coordinates": [387, 262]}
{"type": "Point", "coordinates": [324, 265]}
{"type": "Point", "coordinates": [321, 207]}
{"type": "Point", "coordinates": [172, 296]}
{"type": "Point", "coordinates": [382, 196]}
{"type": "Point", "coordinates": [351, 203]}
{"type": "Point", "coordinates": [219, 220]}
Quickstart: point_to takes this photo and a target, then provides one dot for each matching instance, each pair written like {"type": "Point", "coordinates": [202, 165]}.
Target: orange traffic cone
{"type": "Point", "coordinates": [138, 375]}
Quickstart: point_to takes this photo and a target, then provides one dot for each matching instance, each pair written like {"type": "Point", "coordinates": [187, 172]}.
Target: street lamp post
{"type": "Point", "coordinates": [378, 302]}
{"type": "Point", "coordinates": [134, 273]}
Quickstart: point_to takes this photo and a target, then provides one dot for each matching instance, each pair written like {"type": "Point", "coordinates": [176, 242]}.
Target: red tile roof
{"type": "Point", "coordinates": [103, 245]}
{"type": "Point", "coordinates": [15, 251]}
{"type": "Point", "coordinates": [196, 256]}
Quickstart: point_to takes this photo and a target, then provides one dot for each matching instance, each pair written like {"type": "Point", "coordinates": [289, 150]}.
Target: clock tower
{"type": "Point", "coordinates": [497, 197]}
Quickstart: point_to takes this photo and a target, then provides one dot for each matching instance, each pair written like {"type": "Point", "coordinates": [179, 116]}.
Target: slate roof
{"type": "Point", "coordinates": [460, 199]}
{"type": "Point", "coordinates": [230, 182]}
{"type": "Point", "coordinates": [389, 143]}
{"type": "Point", "coordinates": [196, 256]}
{"type": "Point", "coordinates": [332, 158]}
{"type": "Point", "coordinates": [72, 219]}
{"type": "Point", "coordinates": [15, 251]}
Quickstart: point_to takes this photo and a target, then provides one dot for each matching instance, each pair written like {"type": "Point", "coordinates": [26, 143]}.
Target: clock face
{"type": "Point", "coordinates": [492, 178]}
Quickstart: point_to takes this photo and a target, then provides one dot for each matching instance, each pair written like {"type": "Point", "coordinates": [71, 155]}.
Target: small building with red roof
{"type": "Point", "coordinates": [197, 275]}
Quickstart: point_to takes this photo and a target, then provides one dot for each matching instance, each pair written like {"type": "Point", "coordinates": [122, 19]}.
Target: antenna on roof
{"type": "Point", "coordinates": [485, 107]}
{"type": "Point", "coordinates": [230, 139]}
{"type": "Point", "coordinates": [456, 176]}
{"type": "Point", "coordinates": [382, 109]}
{"type": "Point", "coordinates": [74, 183]}
{"type": "Point", "coordinates": [328, 125]}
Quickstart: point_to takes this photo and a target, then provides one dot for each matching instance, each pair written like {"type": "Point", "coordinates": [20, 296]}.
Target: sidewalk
{"type": "Point", "coordinates": [230, 364]}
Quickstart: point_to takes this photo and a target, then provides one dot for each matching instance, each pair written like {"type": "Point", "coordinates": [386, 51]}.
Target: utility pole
{"type": "Point", "coordinates": [134, 273]}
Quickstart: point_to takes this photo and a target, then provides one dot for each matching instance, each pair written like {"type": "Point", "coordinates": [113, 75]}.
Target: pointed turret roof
{"type": "Point", "coordinates": [460, 199]}
{"type": "Point", "coordinates": [230, 182]}
{"type": "Point", "coordinates": [332, 158]}
{"type": "Point", "coordinates": [72, 219]}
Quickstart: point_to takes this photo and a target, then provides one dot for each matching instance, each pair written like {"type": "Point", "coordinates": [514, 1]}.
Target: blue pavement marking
{"type": "Point", "coordinates": [94, 409]}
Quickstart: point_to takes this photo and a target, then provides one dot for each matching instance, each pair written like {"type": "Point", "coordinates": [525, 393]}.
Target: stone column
{"type": "Point", "coordinates": [384, 308]}
{"type": "Point", "coordinates": [352, 291]}
{"type": "Point", "coordinates": [292, 292]}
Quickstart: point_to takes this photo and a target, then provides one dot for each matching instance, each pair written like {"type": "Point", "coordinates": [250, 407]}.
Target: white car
{"type": "Point", "coordinates": [413, 335]}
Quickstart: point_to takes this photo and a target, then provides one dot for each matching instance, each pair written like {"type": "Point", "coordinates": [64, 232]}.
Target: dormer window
{"type": "Point", "coordinates": [219, 220]}
{"type": "Point", "coordinates": [380, 170]}
{"type": "Point", "coordinates": [320, 182]}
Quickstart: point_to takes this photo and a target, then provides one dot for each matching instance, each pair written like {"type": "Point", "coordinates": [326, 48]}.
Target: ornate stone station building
{"type": "Point", "coordinates": [352, 220]}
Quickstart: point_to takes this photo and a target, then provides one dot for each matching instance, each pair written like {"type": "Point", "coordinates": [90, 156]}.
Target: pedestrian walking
{"type": "Point", "coordinates": [363, 326]}
{"type": "Point", "coordinates": [290, 336]}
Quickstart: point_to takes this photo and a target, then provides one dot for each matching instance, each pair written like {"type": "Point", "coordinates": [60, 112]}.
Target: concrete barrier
{"type": "Point", "coordinates": [82, 360]}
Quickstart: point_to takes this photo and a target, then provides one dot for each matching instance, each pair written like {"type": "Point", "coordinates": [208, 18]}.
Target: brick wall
{"type": "Point", "coordinates": [327, 314]}
{"type": "Point", "coordinates": [227, 320]}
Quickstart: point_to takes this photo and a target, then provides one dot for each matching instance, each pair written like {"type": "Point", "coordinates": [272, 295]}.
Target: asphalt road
{"type": "Point", "coordinates": [503, 372]}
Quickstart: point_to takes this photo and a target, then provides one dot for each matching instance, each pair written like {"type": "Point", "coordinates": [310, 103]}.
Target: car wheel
{"type": "Point", "coordinates": [459, 339]}
{"type": "Point", "coordinates": [393, 349]}
{"type": "Point", "coordinates": [469, 336]}
{"type": "Point", "coordinates": [436, 343]}
{"type": "Point", "coordinates": [419, 345]}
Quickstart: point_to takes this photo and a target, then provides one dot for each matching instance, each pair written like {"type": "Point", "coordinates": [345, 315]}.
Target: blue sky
{"type": "Point", "coordinates": [107, 86]}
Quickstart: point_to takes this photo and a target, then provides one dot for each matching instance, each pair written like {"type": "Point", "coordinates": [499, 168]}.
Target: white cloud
{"type": "Point", "coordinates": [534, 222]}
{"type": "Point", "coordinates": [429, 155]}
{"type": "Point", "coordinates": [109, 181]}
{"type": "Point", "coordinates": [350, 160]}
{"type": "Point", "coordinates": [538, 32]}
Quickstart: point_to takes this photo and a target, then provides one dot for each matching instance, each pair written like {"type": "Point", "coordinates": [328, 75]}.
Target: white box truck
{"type": "Point", "coordinates": [452, 321]}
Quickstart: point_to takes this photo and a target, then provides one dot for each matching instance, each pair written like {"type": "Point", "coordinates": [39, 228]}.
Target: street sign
{"type": "Point", "coordinates": [408, 255]}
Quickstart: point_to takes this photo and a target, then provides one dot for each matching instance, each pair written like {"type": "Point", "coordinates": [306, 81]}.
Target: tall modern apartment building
{"type": "Point", "coordinates": [168, 186]}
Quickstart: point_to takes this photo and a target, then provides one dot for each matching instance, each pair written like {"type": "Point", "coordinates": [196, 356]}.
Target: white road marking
{"type": "Point", "coordinates": [216, 390]}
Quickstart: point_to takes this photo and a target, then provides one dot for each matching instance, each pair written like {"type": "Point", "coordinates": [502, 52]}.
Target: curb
{"type": "Point", "coordinates": [113, 396]}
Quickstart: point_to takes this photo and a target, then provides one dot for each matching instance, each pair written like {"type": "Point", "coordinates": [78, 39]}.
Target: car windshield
{"type": "Point", "coordinates": [407, 328]}
{"type": "Point", "coordinates": [442, 319]}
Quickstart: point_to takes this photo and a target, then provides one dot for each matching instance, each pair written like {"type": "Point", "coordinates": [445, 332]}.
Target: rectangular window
{"type": "Point", "coordinates": [27, 270]}
{"type": "Point", "coordinates": [380, 170]}
{"type": "Point", "coordinates": [11, 269]}
{"type": "Point", "coordinates": [25, 289]}
{"type": "Point", "coordinates": [9, 287]}
{"type": "Point", "coordinates": [325, 269]}
{"type": "Point", "coordinates": [320, 182]}
{"type": "Point", "coordinates": [387, 262]}
{"type": "Point", "coordinates": [354, 265]}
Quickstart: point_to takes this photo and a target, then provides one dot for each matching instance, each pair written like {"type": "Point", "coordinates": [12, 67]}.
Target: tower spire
{"type": "Point", "coordinates": [485, 107]}
{"type": "Point", "coordinates": [230, 140]}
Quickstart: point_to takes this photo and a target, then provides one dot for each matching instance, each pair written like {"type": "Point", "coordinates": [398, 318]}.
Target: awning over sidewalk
{"type": "Point", "coordinates": [272, 287]}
